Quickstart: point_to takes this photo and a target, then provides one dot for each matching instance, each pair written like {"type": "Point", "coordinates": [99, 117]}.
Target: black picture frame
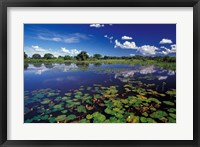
{"type": "Point", "coordinates": [4, 4]}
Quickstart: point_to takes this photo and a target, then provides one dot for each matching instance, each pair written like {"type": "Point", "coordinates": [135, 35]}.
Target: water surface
{"type": "Point", "coordinates": [99, 93]}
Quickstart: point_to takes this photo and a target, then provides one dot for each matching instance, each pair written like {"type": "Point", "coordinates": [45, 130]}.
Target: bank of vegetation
{"type": "Point", "coordinates": [168, 62]}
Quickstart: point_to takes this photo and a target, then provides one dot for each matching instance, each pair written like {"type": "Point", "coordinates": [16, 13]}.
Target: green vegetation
{"type": "Point", "coordinates": [36, 56]}
{"type": "Point", "coordinates": [167, 62]}
{"type": "Point", "coordinates": [25, 55]}
{"type": "Point", "coordinates": [82, 56]}
{"type": "Point", "coordinates": [48, 56]}
{"type": "Point", "coordinates": [101, 105]}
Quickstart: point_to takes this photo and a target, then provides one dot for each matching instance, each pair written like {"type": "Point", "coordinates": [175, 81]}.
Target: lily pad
{"type": "Point", "coordinates": [143, 119]}
{"type": "Point", "coordinates": [45, 117]}
{"type": "Point", "coordinates": [60, 118]}
{"type": "Point", "coordinates": [172, 92]}
{"type": "Point", "coordinates": [52, 119]}
{"type": "Point", "coordinates": [108, 111]}
{"type": "Point", "coordinates": [58, 106]}
{"type": "Point", "coordinates": [36, 118]}
{"type": "Point", "coordinates": [171, 120]}
{"type": "Point", "coordinates": [172, 115]}
{"type": "Point", "coordinates": [98, 117]}
{"type": "Point", "coordinates": [168, 103]}
{"type": "Point", "coordinates": [68, 94]}
{"type": "Point", "coordinates": [71, 117]}
{"type": "Point", "coordinates": [158, 114]}
{"type": "Point", "coordinates": [119, 115]}
{"type": "Point", "coordinates": [84, 121]}
{"type": "Point", "coordinates": [81, 109]}
{"type": "Point", "coordinates": [150, 120]}
{"type": "Point", "coordinates": [28, 120]}
{"type": "Point", "coordinates": [45, 101]}
{"type": "Point", "coordinates": [154, 100]}
{"type": "Point", "coordinates": [145, 114]}
{"type": "Point", "coordinates": [64, 111]}
{"type": "Point", "coordinates": [89, 116]}
{"type": "Point", "coordinates": [171, 110]}
{"type": "Point", "coordinates": [132, 118]}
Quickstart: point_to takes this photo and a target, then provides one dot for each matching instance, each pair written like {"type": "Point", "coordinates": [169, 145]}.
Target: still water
{"type": "Point", "coordinates": [99, 93]}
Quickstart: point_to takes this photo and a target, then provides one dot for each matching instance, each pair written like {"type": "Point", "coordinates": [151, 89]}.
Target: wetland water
{"type": "Point", "coordinates": [99, 93]}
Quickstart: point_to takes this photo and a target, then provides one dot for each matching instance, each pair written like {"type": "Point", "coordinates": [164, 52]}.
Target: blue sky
{"type": "Point", "coordinates": [104, 39]}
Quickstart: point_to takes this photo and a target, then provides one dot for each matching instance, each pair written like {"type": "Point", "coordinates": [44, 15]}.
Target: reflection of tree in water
{"type": "Point", "coordinates": [97, 64]}
{"type": "Point", "coordinates": [48, 65]}
{"type": "Point", "coordinates": [37, 64]}
{"type": "Point", "coordinates": [82, 65]}
{"type": "Point", "coordinates": [68, 63]}
{"type": "Point", "coordinates": [26, 66]}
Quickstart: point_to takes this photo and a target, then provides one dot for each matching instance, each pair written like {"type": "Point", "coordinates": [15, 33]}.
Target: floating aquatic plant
{"type": "Point", "coordinates": [46, 101]}
{"type": "Point", "coordinates": [84, 121]}
{"type": "Point", "coordinates": [89, 116]}
{"type": "Point", "coordinates": [132, 118]}
{"type": "Point", "coordinates": [64, 111]}
{"type": "Point", "coordinates": [143, 119]}
{"type": "Point", "coordinates": [28, 120]}
{"type": "Point", "coordinates": [168, 103]}
{"type": "Point", "coordinates": [158, 114]}
{"type": "Point", "coordinates": [52, 119]}
{"type": "Point", "coordinates": [71, 117]}
{"type": "Point", "coordinates": [98, 117]}
{"type": "Point", "coordinates": [172, 115]}
{"type": "Point", "coordinates": [171, 92]}
{"type": "Point", "coordinates": [150, 120]}
{"type": "Point", "coordinates": [60, 118]}
{"type": "Point", "coordinates": [81, 109]}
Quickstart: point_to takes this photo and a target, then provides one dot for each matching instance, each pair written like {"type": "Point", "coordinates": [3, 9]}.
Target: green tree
{"type": "Point", "coordinates": [67, 57]}
{"type": "Point", "coordinates": [48, 56]}
{"type": "Point", "coordinates": [36, 56]}
{"type": "Point", "coordinates": [25, 55]}
{"type": "Point", "coordinates": [97, 56]}
{"type": "Point", "coordinates": [60, 57]}
{"type": "Point", "coordinates": [82, 56]}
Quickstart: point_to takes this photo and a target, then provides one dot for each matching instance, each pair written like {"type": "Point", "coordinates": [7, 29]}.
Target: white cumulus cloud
{"type": "Point", "coordinates": [126, 38]}
{"type": "Point", "coordinates": [38, 49]}
{"type": "Point", "coordinates": [97, 25]}
{"type": "Point", "coordinates": [148, 50]}
{"type": "Point", "coordinates": [125, 45]}
{"type": "Point", "coordinates": [165, 41]}
{"type": "Point", "coordinates": [168, 50]}
{"type": "Point", "coordinates": [72, 52]}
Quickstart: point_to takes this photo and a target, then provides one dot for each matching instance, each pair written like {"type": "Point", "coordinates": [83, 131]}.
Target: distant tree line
{"type": "Point", "coordinates": [82, 56]}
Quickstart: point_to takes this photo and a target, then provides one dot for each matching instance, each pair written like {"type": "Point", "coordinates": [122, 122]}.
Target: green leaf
{"type": "Point", "coordinates": [71, 117]}
{"type": "Point", "coordinates": [45, 117]}
{"type": "Point", "coordinates": [81, 109]}
{"type": "Point", "coordinates": [46, 101]}
{"type": "Point", "coordinates": [158, 114]}
{"type": "Point", "coordinates": [143, 119]}
{"type": "Point", "coordinates": [61, 118]}
{"type": "Point", "coordinates": [172, 115]}
{"type": "Point", "coordinates": [64, 111]}
{"type": "Point", "coordinates": [84, 121]}
{"type": "Point", "coordinates": [89, 116]}
{"type": "Point", "coordinates": [150, 120]}
{"type": "Point", "coordinates": [98, 117]}
{"type": "Point", "coordinates": [168, 103]}
{"type": "Point", "coordinates": [145, 114]}
{"type": "Point", "coordinates": [52, 119]}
